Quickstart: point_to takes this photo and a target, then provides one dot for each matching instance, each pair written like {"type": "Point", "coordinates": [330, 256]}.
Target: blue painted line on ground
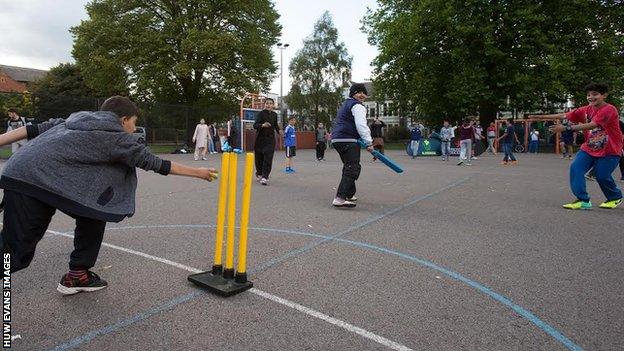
{"type": "Point", "coordinates": [360, 225]}
{"type": "Point", "coordinates": [545, 327]}
{"type": "Point", "coordinates": [73, 343]}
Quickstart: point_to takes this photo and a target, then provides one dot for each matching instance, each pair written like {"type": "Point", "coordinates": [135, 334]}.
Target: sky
{"type": "Point", "coordinates": [35, 33]}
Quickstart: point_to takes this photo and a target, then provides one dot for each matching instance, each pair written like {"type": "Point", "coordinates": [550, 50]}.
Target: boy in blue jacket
{"type": "Point", "coordinates": [290, 143]}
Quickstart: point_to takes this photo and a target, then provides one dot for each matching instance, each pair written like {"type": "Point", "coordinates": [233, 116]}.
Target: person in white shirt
{"type": "Point", "coordinates": [534, 141]}
{"type": "Point", "coordinates": [15, 122]}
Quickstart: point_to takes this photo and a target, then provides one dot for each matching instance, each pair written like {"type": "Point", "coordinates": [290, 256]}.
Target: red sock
{"type": "Point", "coordinates": [77, 273]}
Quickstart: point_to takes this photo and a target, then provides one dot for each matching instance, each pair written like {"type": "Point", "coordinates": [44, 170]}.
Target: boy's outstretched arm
{"type": "Point", "coordinates": [208, 174]}
{"type": "Point", "coordinates": [575, 127]}
{"type": "Point", "coordinates": [13, 136]}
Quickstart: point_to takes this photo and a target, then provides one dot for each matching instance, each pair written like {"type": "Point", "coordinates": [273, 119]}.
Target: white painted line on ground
{"type": "Point", "coordinates": [310, 312]}
{"type": "Point", "coordinates": [337, 322]}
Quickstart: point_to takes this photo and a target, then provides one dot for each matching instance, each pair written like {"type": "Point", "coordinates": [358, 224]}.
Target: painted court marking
{"type": "Point", "coordinates": [545, 327]}
{"type": "Point", "coordinates": [169, 305]}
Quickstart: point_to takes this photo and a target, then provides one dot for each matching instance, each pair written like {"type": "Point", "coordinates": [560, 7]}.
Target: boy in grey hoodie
{"type": "Point", "coordinates": [84, 166]}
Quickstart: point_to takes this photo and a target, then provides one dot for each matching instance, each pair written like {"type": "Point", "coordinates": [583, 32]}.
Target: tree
{"type": "Point", "coordinates": [62, 91]}
{"type": "Point", "coordinates": [448, 59]}
{"type": "Point", "coordinates": [193, 52]}
{"type": "Point", "coordinates": [319, 71]}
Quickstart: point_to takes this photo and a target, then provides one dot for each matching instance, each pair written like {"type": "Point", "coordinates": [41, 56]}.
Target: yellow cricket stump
{"type": "Point", "coordinates": [217, 267]}
{"type": "Point", "coordinates": [241, 271]}
{"type": "Point", "coordinates": [228, 270]}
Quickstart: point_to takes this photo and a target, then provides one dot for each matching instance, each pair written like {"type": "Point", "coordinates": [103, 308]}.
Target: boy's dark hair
{"type": "Point", "coordinates": [467, 120]}
{"type": "Point", "coordinates": [357, 88]}
{"type": "Point", "coordinates": [121, 106]}
{"type": "Point", "coordinates": [602, 88]}
{"type": "Point", "coordinates": [12, 110]}
{"type": "Point", "coordinates": [268, 99]}
{"type": "Point", "coordinates": [292, 117]}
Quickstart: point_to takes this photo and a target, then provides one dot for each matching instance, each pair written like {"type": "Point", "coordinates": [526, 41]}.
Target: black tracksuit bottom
{"type": "Point", "coordinates": [264, 150]}
{"type": "Point", "coordinates": [26, 220]}
{"type": "Point", "coordinates": [350, 156]}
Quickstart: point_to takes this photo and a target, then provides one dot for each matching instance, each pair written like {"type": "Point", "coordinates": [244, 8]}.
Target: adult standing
{"type": "Point", "coordinates": [264, 148]}
{"type": "Point", "coordinates": [376, 129]}
{"type": "Point", "coordinates": [321, 142]}
{"type": "Point", "coordinates": [349, 126]}
{"type": "Point", "coordinates": [14, 122]}
{"type": "Point", "coordinates": [200, 138]}
{"type": "Point", "coordinates": [232, 133]}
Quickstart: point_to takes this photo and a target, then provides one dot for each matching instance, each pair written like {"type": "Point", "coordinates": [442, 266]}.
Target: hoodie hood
{"type": "Point", "coordinates": [98, 120]}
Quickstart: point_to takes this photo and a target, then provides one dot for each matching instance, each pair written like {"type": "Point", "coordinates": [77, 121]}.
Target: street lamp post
{"type": "Point", "coordinates": [282, 47]}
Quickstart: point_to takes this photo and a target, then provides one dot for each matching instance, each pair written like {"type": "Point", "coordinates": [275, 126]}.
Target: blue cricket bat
{"type": "Point", "coordinates": [386, 160]}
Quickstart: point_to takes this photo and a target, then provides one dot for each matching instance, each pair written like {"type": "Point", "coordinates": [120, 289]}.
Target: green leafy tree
{"type": "Point", "coordinates": [449, 59]}
{"type": "Point", "coordinates": [320, 70]}
{"type": "Point", "coordinates": [62, 91]}
{"type": "Point", "coordinates": [193, 52]}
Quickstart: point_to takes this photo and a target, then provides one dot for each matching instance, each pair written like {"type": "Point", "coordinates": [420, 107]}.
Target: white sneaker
{"type": "Point", "coordinates": [338, 202]}
{"type": "Point", "coordinates": [352, 199]}
{"type": "Point", "coordinates": [204, 158]}
{"type": "Point", "coordinates": [264, 181]}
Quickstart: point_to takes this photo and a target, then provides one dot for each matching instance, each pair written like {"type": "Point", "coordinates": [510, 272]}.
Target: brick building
{"type": "Point", "coordinates": [18, 79]}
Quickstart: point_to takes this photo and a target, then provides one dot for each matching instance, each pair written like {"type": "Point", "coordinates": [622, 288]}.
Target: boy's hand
{"type": "Point", "coordinates": [266, 124]}
{"type": "Point", "coordinates": [208, 174]}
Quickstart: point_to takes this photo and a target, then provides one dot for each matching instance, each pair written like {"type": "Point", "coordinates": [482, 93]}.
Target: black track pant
{"type": "Point", "coordinates": [320, 150]}
{"type": "Point", "coordinates": [264, 158]}
{"type": "Point", "coordinates": [26, 220]}
{"type": "Point", "coordinates": [350, 156]}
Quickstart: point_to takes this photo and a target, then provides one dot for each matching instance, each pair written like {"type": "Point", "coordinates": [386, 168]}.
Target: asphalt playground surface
{"type": "Point", "coordinates": [440, 257]}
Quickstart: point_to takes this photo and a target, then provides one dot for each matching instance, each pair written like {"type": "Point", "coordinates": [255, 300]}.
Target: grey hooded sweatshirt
{"type": "Point", "coordinates": [84, 166]}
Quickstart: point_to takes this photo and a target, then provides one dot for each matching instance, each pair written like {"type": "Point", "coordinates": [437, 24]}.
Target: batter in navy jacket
{"type": "Point", "coordinates": [350, 125]}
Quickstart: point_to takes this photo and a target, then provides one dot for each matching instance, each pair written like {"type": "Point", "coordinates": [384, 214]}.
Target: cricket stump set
{"type": "Point", "coordinates": [222, 280]}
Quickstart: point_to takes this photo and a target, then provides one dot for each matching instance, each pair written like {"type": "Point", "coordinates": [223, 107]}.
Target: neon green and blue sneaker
{"type": "Point", "coordinates": [611, 204]}
{"type": "Point", "coordinates": [578, 205]}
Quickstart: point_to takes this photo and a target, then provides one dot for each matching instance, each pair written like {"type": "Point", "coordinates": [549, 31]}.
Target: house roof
{"type": "Point", "coordinates": [22, 74]}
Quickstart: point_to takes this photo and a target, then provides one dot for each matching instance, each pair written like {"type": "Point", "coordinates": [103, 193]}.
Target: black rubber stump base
{"type": "Point", "coordinates": [218, 285]}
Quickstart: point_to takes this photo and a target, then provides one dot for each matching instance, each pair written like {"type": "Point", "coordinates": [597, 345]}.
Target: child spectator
{"type": "Point", "coordinates": [508, 139]}
{"type": "Point", "coordinates": [466, 136]}
{"type": "Point", "coordinates": [321, 142]}
{"type": "Point", "coordinates": [415, 137]}
{"type": "Point", "coordinates": [446, 135]}
{"type": "Point", "coordinates": [534, 141]}
{"type": "Point", "coordinates": [491, 137]}
{"type": "Point", "coordinates": [290, 143]}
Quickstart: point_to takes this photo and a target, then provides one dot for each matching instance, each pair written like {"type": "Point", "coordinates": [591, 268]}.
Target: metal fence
{"type": "Point", "coordinates": [164, 123]}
